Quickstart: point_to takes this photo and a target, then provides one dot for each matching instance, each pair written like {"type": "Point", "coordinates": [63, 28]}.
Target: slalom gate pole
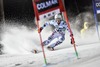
{"type": "Point", "coordinates": [65, 15]}
{"type": "Point", "coordinates": [45, 61]}
{"type": "Point", "coordinates": [94, 9]}
{"type": "Point", "coordinates": [66, 19]}
{"type": "Point", "coordinates": [37, 18]}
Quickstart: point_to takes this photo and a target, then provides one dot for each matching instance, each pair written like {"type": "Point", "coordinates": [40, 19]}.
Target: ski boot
{"type": "Point", "coordinates": [34, 51]}
{"type": "Point", "coordinates": [50, 48]}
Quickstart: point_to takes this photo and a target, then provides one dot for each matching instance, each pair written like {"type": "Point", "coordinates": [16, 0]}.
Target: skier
{"type": "Point", "coordinates": [60, 27]}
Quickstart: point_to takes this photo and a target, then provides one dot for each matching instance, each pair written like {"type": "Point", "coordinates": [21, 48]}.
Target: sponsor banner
{"type": "Point", "coordinates": [97, 6]}
{"type": "Point", "coordinates": [97, 3]}
{"type": "Point", "coordinates": [97, 9]}
{"type": "Point", "coordinates": [44, 5]}
{"type": "Point", "coordinates": [47, 8]}
{"type": "Point", "coordinates": [49, 14]}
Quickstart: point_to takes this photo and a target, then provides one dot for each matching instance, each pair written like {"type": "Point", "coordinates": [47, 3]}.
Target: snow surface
{"type": "Point", "coordinates": [18, 43]}
{"type": "Point", "coordinates": [89, 57]}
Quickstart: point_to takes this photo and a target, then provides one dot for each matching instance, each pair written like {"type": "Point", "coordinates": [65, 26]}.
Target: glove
{"type": "Point", "coordinates": [40, 29]}
{"type": "Point", "coordinates": [72, 40]}
{"type": "Point", "coordinates": [71, 35]}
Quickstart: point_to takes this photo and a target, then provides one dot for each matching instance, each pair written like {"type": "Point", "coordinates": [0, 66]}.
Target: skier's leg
{"type": "Point", "coordinates": [50, 38]}
{"type": "Point", "coordinates": [60, 40]}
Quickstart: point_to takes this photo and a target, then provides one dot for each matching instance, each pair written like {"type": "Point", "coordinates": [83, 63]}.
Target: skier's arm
{"type": "Point", "coordinates": [41, 28]}
{"type": "Point", "coordinates": [71, 34]}
{"type": "Point", "coordinates": [46, 24]}
{"type": "Point", "coordinates": [66, 26]}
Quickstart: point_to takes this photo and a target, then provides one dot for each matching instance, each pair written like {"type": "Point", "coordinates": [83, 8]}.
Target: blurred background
{"type": "Point", "coordinates": [22, 10]}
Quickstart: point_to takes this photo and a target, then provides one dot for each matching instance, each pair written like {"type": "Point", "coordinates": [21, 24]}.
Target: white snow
{"type": "Point", "coordinates": [89, 57]}
{"type": "Point", "coordinates": [18, 50]}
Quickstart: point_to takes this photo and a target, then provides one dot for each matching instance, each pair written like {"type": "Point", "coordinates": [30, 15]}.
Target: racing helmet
{"type": "Point", "coordinates": [58, 16]}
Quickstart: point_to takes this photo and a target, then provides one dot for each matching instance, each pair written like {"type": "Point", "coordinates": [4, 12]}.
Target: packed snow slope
{"type": "Point", "coordinates": [89, 57]}
{"type": "Point", "coordinates": [20, 41]}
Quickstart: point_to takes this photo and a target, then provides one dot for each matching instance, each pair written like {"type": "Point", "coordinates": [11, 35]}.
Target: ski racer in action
{"type": "Point", "coordinates": [60, 27]}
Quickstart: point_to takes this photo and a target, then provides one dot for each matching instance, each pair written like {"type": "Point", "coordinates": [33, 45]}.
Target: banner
{"type": "Point", "coordinates": [47, 8]}
{"type": "Point", "coordinates": [97, 9]}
